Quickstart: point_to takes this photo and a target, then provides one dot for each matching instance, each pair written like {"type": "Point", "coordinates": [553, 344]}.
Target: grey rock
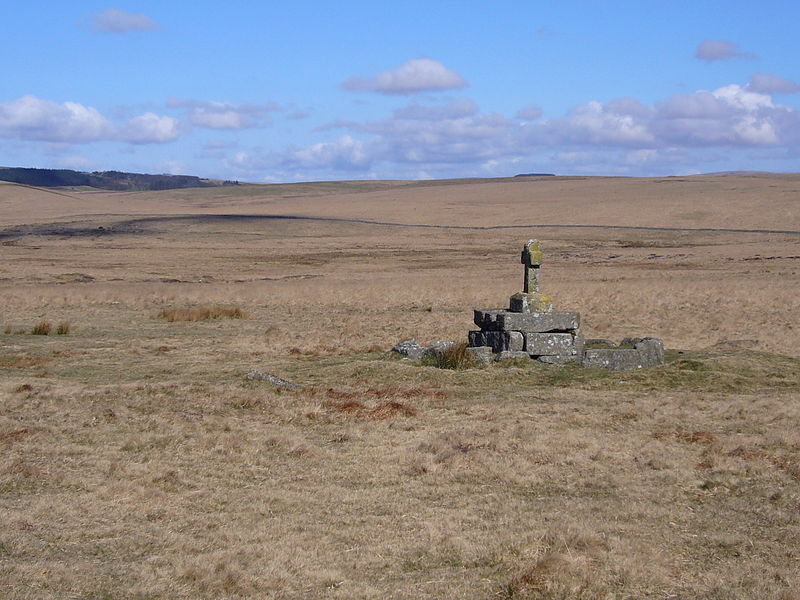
{"type": "Point", "coordinates": [509, 354]}
{"type": "Point", "coordinates": [498, 340]}
{"type": "Point", "coordinates": [437, 347]}
{"type": "Point", "coordinates": [651, 351]}
{"type": "Point", "coordinates": [524, 302]}
{"type": "Point", "coordinates": [559, 360]}
{"type": "Point", "coordinates": [735, 345]}
{"type": "Point", "coordinates": [410, 349]}
{"type": "Point", "coordinates": [535, 322]}
{"type": "Point", "coordinates": [476, 339]}
{"type": "Point", "coordinates": [551, 344]}
{"type": "Point", "coordinates": [482, 354]}
{"type": "Point", "coordinates": [256, 375]}
{"type": "Point", "coordinates": [646, 352]}
{"type": "Point", "coordinates": [615, 359]}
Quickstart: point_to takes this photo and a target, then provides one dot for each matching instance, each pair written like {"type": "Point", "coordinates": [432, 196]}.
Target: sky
{"type": "Point", "coordinates": [306, 91]}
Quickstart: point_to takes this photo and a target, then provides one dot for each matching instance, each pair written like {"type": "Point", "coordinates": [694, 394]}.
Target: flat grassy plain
{"type": "Point", "coordinates": [137, 462]}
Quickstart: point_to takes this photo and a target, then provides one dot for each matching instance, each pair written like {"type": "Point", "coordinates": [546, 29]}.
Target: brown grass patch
{"type": "Point", "coordinates": [201, 313]}
{"type": "Point", "coordinates": [10, 437]}
{"type": "Point", "coordinates": [570, 566]}
{"type": "Point", "coordinates": [705, 438]}
{"type": "Point", "coordinates": [455, 357]}
{"type": "Point", "coordinates": [42, 328]}
{"type": "Point", "coordinates": [378, 403]}
{"type": "Point", "coordinates": [63, 328]}
{"type": "Point", "coordinates": [385, 409]}
{"type": "Point", "coordinates": [24, 469]}
{"type": "Point", "coordinates": [22, 362]}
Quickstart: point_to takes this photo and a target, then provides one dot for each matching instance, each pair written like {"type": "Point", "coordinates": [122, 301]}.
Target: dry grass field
{"type": "Point", "coordinates": [137, 462]}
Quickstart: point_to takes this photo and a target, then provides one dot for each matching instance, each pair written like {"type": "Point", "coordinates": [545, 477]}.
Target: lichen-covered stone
{"type": "Point", "coordinates": [409, 348]}
{"type": "Point", "coordinates": [535, 322]}
{"type": "Point", "coordinates": [481, 354]}
{"type": "Point", "coordinates": [523, 302]}
{"type": "Point", "coordinates": [646, 352]}
{"type": "Point", "coordinates": [651, 351]}
{"type": "Point", "coordinates": [436, 348]}
{"type": "Point", "coordinates": [551, 344]}
{"type": "Point", "coordinates": [509, 354]}
{"type": "Point", "coordinates": [615, 359]}
{"type": "Point", "coordinates": [559, 360]}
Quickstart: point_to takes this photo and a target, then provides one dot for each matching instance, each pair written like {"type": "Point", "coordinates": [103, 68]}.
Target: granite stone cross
{"type": "Point", "coordinates": [532, 259]}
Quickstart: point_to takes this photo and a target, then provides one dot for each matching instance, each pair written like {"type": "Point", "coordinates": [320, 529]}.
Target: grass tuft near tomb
{"type": "Point", "coordinates": [201, 313]}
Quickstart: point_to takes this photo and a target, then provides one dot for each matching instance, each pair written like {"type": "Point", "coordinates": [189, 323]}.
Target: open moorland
{"type": "Point", "coordinates": [138, 462]}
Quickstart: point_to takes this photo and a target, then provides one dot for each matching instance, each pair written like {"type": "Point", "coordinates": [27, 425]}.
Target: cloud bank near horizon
{"type": "Point", "coordinates": [435, 136]}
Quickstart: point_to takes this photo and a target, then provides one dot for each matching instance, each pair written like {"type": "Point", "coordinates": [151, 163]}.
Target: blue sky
{"type": "Point", "coordinates": [272, 92]}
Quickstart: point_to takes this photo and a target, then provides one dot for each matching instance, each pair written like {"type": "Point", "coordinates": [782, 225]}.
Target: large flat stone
{"type": "Point", "coordinates": [535, 322]}
{"type": "Point", "coordinates": [646, 352]}
{"type": "Point", "coordinates": [553, 344]}
{"type": "Point", "coordinates": [651, 350]}
{"type": "Point", "coordinates": [615, 359]}
{"type": "Point", "coordinates": [510, 355]}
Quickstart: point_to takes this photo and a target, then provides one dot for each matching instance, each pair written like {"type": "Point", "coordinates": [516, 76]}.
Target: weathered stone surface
{"type": "Point", "coordinates": [256, 375]}
{"type": "Point", "coordinates": [437, 347]}
{"type": "Point", "coordinates": [646, 352]}
{"type": "Point", "coordinates": [482, 354]}
{"type": "Point", "coordinates": [559, 360]}
{"type": "Point", "coordinates": [651, 351]}
{"type": "Point", "coordinates": [509, 354]}
{"type": "Point", "coordinates": [476, 339]}
{"type": "Point", "coordinates": [409, 348]}
{"type": "Point", "coordinates": [616, 359]}
{"type": "Point", "coordinates": [735, 345]}
{"type": "Point", "coordinates": [498, 340]}
{"type": "Point", "coordinates": [550, 344]}
{"type": "Point", "coordinates": [524, 302]}
{"type": "Point", "coordinates": [535, 322]}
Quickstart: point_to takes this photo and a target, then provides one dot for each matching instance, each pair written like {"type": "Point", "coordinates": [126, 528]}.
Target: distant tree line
{"type": "Point", "coordinates": [104, 180]}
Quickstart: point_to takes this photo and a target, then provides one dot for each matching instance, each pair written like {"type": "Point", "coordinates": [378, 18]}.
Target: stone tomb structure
{"type": "Point", "coordinates": [530, 328]}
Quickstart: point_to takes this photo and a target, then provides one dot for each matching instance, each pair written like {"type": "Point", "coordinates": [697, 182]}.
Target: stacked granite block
{"type": "Point", "coordinates": [530, 328]}
{"type": "Point", "coordinates": [547, 336]}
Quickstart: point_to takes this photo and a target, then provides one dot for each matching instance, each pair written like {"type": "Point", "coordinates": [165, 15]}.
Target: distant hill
{"type": "Point", "coordinates": [535, 175]}
{"type": "Point", "coordinates": [105, 180]}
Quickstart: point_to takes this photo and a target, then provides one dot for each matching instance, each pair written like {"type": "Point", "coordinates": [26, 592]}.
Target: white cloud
{"type": "Point", "coordinates": [115, 20]}
{"type": "Point", "coordinates": [151, 128]}
{"type": "Point", "coordinates": [712, 50]}
{"type": "Point", "coordinates": [225, 115]}
{"type": "Point", "coordinates": [345, 154]}
{"type": "Point", "coordinates": [623, 136]}
{"type": "Point", "coordinates": [769, 83]}
{"type": "Point", "coordinates": [416, 75]}
{"type": "Point", "coordinates": [595, 123]}
{"type": "Point", "coordinates": [31, 118]}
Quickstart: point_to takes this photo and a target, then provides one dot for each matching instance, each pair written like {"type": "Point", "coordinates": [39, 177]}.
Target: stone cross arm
{"type": "Point", "coordinates": [531, 254]}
